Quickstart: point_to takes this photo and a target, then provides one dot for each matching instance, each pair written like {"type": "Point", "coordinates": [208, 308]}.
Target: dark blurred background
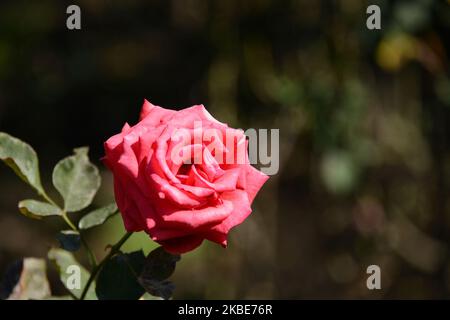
{"type": "Point", "coordinates": [363, 116]}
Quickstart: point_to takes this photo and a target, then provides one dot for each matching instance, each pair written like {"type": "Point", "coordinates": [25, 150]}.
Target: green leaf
{"type": "Point", "coordinates": [70, 240]}
{"type": "Point", "coordinates": [148, 296]}
{"type": "Point", "coordinates": [22, 159]}
{"type": "Point", "coordinates": [68, 269]}
{"type": "Point", "coordinates": [118, 278]}
{"type": "Point", "coordinates": [59, 298]}
{"type": "Point", "coordinates": [26, 279]}
{"type": "Point", "coordinates": [97, 217]}
{"type": "Point", "coordinates": [163, 289]}
{"type": "Point", "coordinates": [77, 180]}
{"type": "Point", "coordinates": [159, 265]}
{"type": "Point", "coordinates": [38, 209]}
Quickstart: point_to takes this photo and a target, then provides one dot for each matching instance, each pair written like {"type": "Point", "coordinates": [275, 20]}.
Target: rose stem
{"type": "Point", "coordinates": [114, 249]}
{"type": "Point", "coordinates": [91, 256]}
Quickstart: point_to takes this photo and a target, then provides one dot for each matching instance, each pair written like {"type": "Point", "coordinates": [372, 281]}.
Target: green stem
{"type": "Point", "coordinates": [114, 249]}
{"type": "Point", "coordinates": [44, 195]}
{"type": "Point", "coordinates": [69, 223]}
{"type": "Point", "coordinates": [91, 256]}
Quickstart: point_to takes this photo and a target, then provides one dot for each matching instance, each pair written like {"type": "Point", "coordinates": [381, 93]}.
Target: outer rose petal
{"type": "Point", "coordinates": [132, 222]}
{"type": "Point", "coordinates": [113, 149]}
{"type": "Point", "coordinates": [241, 211]}
{"type": "Point", "coordinates": [217, 237]}
{"type": "Point", "coordinates": [182, 244]}
{"type": "Point", "coordinates": [146, 109]}
{"type": "Point", "coordinates": [254, 181]}
{"type": "Point", "coordinates": [133, 205]}
{"type": "Point", "coordinates": [152, 115]}
{"type": "Point", "coordinates": [161, 234]}
{"type": "Point", "coordinates": [186, 118]}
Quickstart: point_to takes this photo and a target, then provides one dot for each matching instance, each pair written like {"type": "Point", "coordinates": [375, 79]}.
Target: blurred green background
{"type": "Point", "coordinates": [363, 115]}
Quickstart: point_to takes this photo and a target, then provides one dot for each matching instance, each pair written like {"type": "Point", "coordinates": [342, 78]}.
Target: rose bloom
{"type": "Point", "coordinates": [181, 177]}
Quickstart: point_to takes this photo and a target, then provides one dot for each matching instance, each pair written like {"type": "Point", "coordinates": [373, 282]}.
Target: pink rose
{"type": "Point", "coordinates": [182, 177]}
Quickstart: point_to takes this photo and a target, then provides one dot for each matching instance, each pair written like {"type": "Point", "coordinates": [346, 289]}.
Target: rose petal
{"type": "Point", "coordinates": [182, 244]}
{"type": "Point", "coordinates": [132, 221]}
{"type": "Point", "coordinates": [165, 189]}
{"type": "Point", "coordinates": [210, 165]}
{"type": "Point", "coordinates": [226, 182]}
{"type": "Point", "coordinates": [128, 161]}
{"type": "Point", "coordinates": [217, 237]}
{"type": "Point", "coordinates": [241, 210]}
{"type": "Point", "coordinates": [254, 181]}
{"type": "Point", "coordinates": [152, 115]}
{"type": "Point", "coordinates": [160, 156]}
{"type": "Point", "coordinates": [197, 191]}
{"type": "Point", "coordinates": [197, 218]}
{"type": "Point", "coordinates": [146, 109]}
